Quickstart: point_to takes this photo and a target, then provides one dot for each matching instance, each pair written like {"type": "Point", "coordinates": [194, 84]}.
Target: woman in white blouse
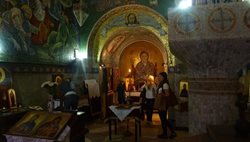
{"type": "Point", "coordinates": [150, 90]}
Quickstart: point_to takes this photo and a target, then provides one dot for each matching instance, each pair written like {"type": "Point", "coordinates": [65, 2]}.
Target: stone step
{"type": "Point", "coordinates": [224, 133]}
{"type": "Point", "coordinates": [197, 138]}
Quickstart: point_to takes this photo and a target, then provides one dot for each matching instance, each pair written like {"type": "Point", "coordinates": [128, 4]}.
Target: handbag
{"type": "Point", "coordinates": [171, 99]}
{"type": "Point", "coordinates": [143, 96]}
{"type": "Point", "coordinates": [160, 102]}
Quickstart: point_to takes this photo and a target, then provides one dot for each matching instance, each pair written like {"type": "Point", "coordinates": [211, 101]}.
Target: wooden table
{"type": "Point", "coordinates": [9, 117]}
{"type": "Point", "coordinates": [134, 114]}
{"type": "Point", "coordinates": [76, 125]}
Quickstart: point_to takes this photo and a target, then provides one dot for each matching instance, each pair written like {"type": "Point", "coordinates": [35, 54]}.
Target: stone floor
{"type": "Point", "coordinates": [98, 132]}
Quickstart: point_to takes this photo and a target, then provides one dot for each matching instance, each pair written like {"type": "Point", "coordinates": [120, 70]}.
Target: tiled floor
{"type": "Point", "coordinates": [98, 132]}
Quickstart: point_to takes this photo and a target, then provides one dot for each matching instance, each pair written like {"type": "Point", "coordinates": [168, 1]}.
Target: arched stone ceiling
{"type": "Point", "coordinates": [112, 27]}
{"type": "Point", "coordinates": [122, 38]}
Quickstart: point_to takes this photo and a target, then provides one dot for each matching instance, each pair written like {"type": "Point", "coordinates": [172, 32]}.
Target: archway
{"type": "Point", "coordinates": [113, 26]}
{"type": "Point", "coordinates": [122, 50]}
{"type": "Point", "coordinates": [115, 35]}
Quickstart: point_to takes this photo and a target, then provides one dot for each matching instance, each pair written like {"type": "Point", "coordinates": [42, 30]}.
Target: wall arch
{"type": "Point", "coordinates": [110, 55]}
{"type": "Point", "coordinates": [115, 20]}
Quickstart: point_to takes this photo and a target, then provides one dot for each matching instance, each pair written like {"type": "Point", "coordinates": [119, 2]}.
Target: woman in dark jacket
{"type": "Point", "coordinates": [162, 92]}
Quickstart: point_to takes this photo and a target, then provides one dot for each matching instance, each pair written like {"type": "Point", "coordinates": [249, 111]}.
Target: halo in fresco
{"type": "Point", "coordinates": [2, 75]}
{"type": "Point", "coordinates": [247, 18]}
{"type": "Point", "coordinates": [186, 23]}
{"type": "Point", "coordinates": [222, 20]}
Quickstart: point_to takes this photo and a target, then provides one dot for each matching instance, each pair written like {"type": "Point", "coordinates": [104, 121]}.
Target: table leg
{"type": "Point", "coordinates": [115, 121]}
{"type": "Point", "coordinates": [110, 131]}
{"type": "Point", "coordinates": [127, 124]}
{"type": "Point", "coordinates": [136, 131]}
{"type": "Point", "coordinates": [139, 121]}
{"type": "Point", "coordinates": [137, 128]}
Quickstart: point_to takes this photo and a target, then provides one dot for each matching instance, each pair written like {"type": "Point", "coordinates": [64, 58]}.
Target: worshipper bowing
{"type": "Point", "coordinates": [70, 97]}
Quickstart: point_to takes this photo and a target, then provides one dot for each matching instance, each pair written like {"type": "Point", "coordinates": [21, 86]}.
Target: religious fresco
{"type": "Point", "coordinates": [144, 67]}
{"type": "Point", "coordinates": [101, 5]}
{"type": "Point", "coordinates": [114, 44]}
{"type": "Point", "coordinates": [131, 20]}
{"type": "Point", "coordinates": [40, 124]}
{"type": "Point", "coordinates": [37, 31]}
{"type": "Point", "coordinates": [118, 18]}
{"type": "Point", "coordinates": [48, 31]}
{"type": "Point", "coordinates": [5, 77]}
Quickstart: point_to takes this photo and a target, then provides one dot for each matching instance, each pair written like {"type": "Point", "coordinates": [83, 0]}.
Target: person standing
{"type": "Point", "coordinates": [150, 91]}
{"type": "Point", "coordinates": [121, 92]}
{"type": "Point", "coordinates": [84, 90]}
{"type": "Point", "coordinates": [162, 93]}
{"type": "Point", "coordinates": [71, 98]}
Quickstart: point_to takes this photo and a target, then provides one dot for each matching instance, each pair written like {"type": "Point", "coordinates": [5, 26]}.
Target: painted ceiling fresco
{"type": "Point", "coordinates": [40, 30]}
{"type": "Point", "coordinates": [48, 31]}
{"type": "Point", "coordinates": [128, 20]}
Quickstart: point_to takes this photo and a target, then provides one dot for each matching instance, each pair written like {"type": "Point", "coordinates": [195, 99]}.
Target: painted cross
{"type": "Point", "coordinates": [247, 18]}
{"type": "Point", "coordinates": [187, 23]}
{"type": "Point", "coordinates": [222, 20]}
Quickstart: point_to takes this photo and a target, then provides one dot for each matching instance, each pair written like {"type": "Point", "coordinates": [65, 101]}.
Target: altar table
{"type": "Point", "coordinates": [119, 113]}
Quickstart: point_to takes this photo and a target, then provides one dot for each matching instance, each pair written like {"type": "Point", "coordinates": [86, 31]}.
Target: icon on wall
{"type": "Point", "coordinates": [131, 19]}
{"type": "Point", "coordinates": [41, 124]}
{"type": "Point", "coordinates": [2, 74]}
{"type": "Point", "coordinates": [183, 89]}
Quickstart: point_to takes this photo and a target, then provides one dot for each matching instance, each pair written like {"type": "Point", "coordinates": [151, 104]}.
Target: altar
{"type": "Point", "coordinates": [121, 113]}
{"type": "Point", "coordinates": [133, 97]}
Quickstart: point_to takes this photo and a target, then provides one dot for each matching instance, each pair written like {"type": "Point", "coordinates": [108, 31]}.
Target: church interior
{"type": "Point", "coordinates": [53, 49]}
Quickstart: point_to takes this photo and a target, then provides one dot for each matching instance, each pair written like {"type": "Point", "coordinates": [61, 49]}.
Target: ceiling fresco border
{"type": "Point", "coordinates": [97, 39]}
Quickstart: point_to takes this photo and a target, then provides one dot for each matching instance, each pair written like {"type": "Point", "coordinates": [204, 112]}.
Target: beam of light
{"type": "Point", "coordinates": [1, 46]}
{"type": "Point", "coordinates": [81, 55]}
{"type": "Point", "coordinates": [78, 54]}
{"type": "Point", "coordinates": [184, 4]}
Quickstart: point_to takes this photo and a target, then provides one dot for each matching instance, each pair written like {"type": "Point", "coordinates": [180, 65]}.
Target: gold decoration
{"type": "Point", "coordinates": [2, 75]}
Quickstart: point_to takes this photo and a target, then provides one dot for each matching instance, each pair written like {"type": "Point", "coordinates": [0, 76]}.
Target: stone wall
{"type": "Point", "coordinates": [28, 88]}
{"type": "Point", "coordinates": [213, 42]}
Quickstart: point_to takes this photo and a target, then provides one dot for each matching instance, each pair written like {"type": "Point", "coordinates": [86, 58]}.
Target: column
{"type": "Point", "coordinates": [211, 102]}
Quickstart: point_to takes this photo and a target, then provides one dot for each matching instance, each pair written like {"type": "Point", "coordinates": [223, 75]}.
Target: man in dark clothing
{"type": "Point", "coordinates": [121, 92]}
{"type": "Point", "coordinates": [70, 96]}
